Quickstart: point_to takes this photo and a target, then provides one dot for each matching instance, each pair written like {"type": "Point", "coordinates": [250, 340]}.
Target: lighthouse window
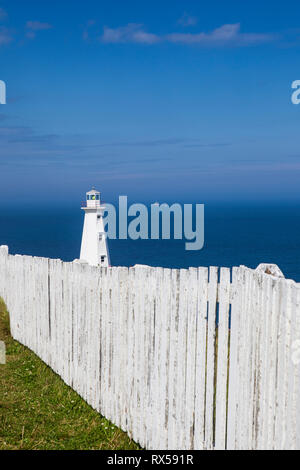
{"type": "Point", "coordinates": [102, 259]}
{"type": "Point", "coordinates": [95, 197]}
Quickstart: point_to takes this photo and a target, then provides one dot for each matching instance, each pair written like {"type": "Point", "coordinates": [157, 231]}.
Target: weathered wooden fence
{"type": "Point", "coordinates": [180, 359]}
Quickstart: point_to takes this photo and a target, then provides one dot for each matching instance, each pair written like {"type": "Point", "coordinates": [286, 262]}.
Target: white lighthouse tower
{"type": "Point", "coordinates": [94, 249]}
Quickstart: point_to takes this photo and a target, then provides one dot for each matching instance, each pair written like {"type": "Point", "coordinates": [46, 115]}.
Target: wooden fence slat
{"type": "Point", "coordinates": [254, 340]}
{"type": "Point", "coordinates": [210, 358]}
{"type": "Point", "coordinates": [222, 359]}
{"type": "Point", "coordinates": [233, 360]}
{"type": "Point", "coordinates": [240, 425]}
{"type": "Point", "coordinates": [273, 354]}
{"type": "Point", "coordinates": [248, 358]}
{"type": "Point", "coordinates": [200, 367]}
{"type": "Point", "coordinates": [182, 361]}
{"type": "Point", "coordinates": [151, 431]}
{"type": "Point", "coordinates": [296, 362]}
{"type": "Point", "coordinates": [284, 333]}
{"type": "Point", "coordinates": [145, 351]}
{"type": "Point", "coordinates": [191, 356]}
{"type": "Point", "coordinates": [290, 369]}
{"type": "Point", "coordinates": [174, 317]}
{"type": "Point", "coordinates": [265, 357]}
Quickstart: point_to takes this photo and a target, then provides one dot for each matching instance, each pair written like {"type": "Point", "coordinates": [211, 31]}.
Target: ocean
{"type": "Point", "coordinates": [234, 235]}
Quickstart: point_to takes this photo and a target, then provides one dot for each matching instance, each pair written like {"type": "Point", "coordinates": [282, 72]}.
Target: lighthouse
{"type": "Point", "coordinates": [94, 248]}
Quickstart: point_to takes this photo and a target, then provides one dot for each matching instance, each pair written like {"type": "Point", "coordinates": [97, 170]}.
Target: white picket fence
{"type": "Point", "coordinates": [152, 351]}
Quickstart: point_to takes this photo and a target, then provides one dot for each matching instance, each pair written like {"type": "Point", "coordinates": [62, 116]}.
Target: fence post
{"type": "Point", "coordinates": [3, 274]}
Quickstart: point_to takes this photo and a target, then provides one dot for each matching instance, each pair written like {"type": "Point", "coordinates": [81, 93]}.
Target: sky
{"type": "Point", "coordinates": [158, 100]}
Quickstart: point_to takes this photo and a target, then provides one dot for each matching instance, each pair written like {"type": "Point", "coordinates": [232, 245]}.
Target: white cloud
{"type": "Point", "coordinates": [34, 26]}
{"type": "Point", "coordinates": [187, 20]}
{"type": "Point", "coordinates": [37, 25]}
{"type": "Point", "coordinates": [131, 33]}
{"type": "Point", "coordinates": [5, 36]}
{"type": "Point", "coordinates": [228, 34]}
{"type": "Point", "coordinates": [30, 34]}
{"type": "Point", "coordinates": [3, 14]}
{"type": "Point", "coordinates": [87, 29]}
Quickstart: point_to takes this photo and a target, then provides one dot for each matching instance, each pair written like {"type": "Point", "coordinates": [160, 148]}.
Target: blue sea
{"type": "Point", "coordinates": [234, 235]}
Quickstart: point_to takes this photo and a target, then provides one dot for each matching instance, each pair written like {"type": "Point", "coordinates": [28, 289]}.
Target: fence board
{"type": "Point", "coordinates": [191, 356]}
{"type": "Point", "coordinates": [200, 370]}
{"type": "Point", "coordinates": [181, 360]}
{"type": "Point", "coordinates": [233, 360]}
{"type": "Point", "coordinates": [210, 358]}
{"type": "Point", "coordinates": [222, 358]}
{"type": "Point", "coordinates": [273, 354]}
{"type": "Point", "coordinates": [173, 376]}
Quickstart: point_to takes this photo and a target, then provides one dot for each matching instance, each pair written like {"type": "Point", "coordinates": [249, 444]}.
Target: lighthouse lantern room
{"type": "Point", "coordinates": [94, 248]}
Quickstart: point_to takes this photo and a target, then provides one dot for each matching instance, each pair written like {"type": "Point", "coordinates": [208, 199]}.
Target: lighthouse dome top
{"type": "Point", "coordinates": [92, 192]}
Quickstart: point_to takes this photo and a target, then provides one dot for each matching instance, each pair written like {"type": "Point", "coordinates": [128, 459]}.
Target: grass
{"type": "Point", "coordinates": [38, 411]}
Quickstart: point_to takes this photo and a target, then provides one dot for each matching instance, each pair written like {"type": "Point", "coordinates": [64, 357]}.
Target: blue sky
{"type": "Point", "coordinates": [170, 100]}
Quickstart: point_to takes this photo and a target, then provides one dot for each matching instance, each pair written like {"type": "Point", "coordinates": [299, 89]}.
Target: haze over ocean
{"type": "Point", "coordinates": [234, 234]}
